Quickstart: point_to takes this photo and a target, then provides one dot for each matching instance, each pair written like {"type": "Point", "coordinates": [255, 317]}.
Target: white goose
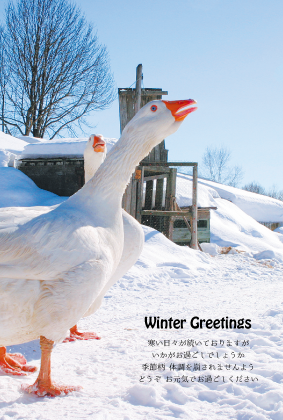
{"type": "Point", "coordinates": [13, 217]}
{"type": "Point", "coordinates": [94, 155]}
{"type": "Point", "coordinates": [132, 248]}
{"type": "Point", "coordinates": [55, 266]}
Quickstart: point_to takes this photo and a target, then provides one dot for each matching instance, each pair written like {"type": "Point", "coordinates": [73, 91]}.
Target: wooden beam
{"type": "Point", "coordinates": [144, 92]}
{"type": "Point", "coordinates": [153, 177]}
{"type": "Point", "coordinates": [194, 229]}
{"type": "Point", "coordinates": [159, 192]}
{"type": "Point", "coordinates": [138, 88]}
{"type": "Point", "coordinates": [170, 164]}
{"type": "Point", "coordinates": [170, 189]}
{"type": "Point", "coordinates": [148, 194]}
{"type": "Point", "coordinates": [165, 213]}
{"type": "Point", "coordinates": [139, 180]}
{"type": "Point", "coordinates": [155, 168]}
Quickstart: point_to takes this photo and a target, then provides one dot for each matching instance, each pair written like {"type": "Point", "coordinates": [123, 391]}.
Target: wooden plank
{"type": "Point", "coordinates": [183, 235]}
{"type": "Point", "coordinates": [169, 199]}
{"type": "Point", "coordinates": [133, 204]}
{"type": "Point", "coordinates": [171, 164]}
{"type": "Point", "coordinates": [155, 168]}
{"type": "Point", "coordinates": [166, 213]}
{"type": "Point", "coordinates": [170, 189]}
{"type": "Point", "coordinates": [139, 193]}
{"type": "Point", "coordinates": [144, 92]}
{"type": "Point", "coordinates": [126, 202]}
{"type": "Point", "coordinates": [153, 177]}
{"type": "Point", "coordinates": [159, 192]}
{"type": "Point", "coordinates": [138, 88]}
{"type": "Point", "coordinates": [157, 153]}
{"type": "Point", "coordinates": [122, 112]}
{"type": "Point", "coordinates": [148, 194]}
{"type": "Point", "coordinates": [164, 152]}
{"type": "Point", "coordinates": [194, 229]}
{"type": "Point", "coordinates": [170, 229]}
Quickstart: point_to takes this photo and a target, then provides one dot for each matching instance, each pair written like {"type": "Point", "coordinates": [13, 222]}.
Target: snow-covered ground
{"type": "Point", "coordinates": [135, 373]}
{"type": "Point", "coordinates": [139, 373]}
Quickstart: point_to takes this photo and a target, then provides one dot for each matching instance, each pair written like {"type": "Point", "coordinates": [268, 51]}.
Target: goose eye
{"type": "Point", "coordinates": [153, 108]}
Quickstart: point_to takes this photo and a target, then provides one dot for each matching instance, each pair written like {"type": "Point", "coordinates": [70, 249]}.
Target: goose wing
{"type": "Point", "coordinates": [48, 245]}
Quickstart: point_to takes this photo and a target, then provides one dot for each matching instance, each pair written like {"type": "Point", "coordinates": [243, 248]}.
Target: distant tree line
{"type": "Point", "coordinates": [53, 70]}
{"type": "Point", "coordinates": [258, 189]}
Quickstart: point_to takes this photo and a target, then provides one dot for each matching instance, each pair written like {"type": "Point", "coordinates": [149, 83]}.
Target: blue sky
{"type": "Point", "coordinates": [226, 54]}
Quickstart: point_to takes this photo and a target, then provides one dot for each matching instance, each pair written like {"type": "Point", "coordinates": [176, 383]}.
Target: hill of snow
{"type": "Point", "coordinates": [230, 224]}
{"type": "Point", "coordinates": [17, 189]}
{"type": "Point", "coordinates": [260, 207]}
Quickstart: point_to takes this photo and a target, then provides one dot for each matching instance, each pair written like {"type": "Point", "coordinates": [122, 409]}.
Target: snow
{"type": "Point", "coordinates": [260, 207]}
{"type": "Point", "coordinates": [29, 139]}
{"type": "Point", "coordinates": [17, 189]}
{"type": "Point", "coordinates": [230, 224]}
{"type": "Point", "coordinates": [169, 281]}
{"type": "Point", "coordinates": [10, 143]}
{"type": "Point", "coordinates": [10, 147]}
{"type": "Point", "coordinates": [67, 147]}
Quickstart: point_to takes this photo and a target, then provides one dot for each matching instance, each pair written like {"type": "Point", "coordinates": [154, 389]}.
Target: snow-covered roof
{"type": "Point", "coordinates": [261, 207]}
{"type": "Point", "coordinates": [67, 147]}
{"type": "Point", "coordinates": [11, 144]}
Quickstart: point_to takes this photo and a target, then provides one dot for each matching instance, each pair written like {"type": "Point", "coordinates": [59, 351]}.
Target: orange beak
{"type": "Point", "coordinates": [98, 144]}
{"type": "Point", "coordinates": [180, 109]}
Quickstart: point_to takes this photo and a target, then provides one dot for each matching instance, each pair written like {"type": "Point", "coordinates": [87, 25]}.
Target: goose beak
{"type": "Point", "coordinates": [98, 144]}
{"type": "Point", "coordinates": [180, 109]}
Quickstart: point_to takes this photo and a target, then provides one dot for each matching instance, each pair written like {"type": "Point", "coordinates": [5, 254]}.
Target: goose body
{"type": "Point", "coordinates": [56, 265]}
{"type": "Point", "coordinates": [132, 246]}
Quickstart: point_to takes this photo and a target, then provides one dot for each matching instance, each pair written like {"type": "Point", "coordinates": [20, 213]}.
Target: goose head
{"type": "Point", "coordinates": [157, 120]}
{"type": "Point", "coordinates": [153, 123]}
{"type": "Point", "coordinates": [94, 155]}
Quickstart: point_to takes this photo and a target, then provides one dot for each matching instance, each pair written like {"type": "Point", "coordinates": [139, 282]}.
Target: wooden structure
{"type": "Point", "coordinates": [61, 175]}
{"type": "Point", "coordinates": [271, 225]}
{"type": "Point", "coordinates": [156, 205]}
{"type": "Point", "coordinates": [150, 196]}
{"type": "Point", "coordinates": [182, 235]}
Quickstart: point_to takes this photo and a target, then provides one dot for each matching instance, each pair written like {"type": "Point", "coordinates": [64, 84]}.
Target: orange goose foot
{"type": "Point", "coordinates": [14, 364]}
{"type": "Point", "coordinates": [44, 386]}
{"type": "Point", "coordinates": [76, 335]}
{"type": "Point", "coordinates": [47, 388]}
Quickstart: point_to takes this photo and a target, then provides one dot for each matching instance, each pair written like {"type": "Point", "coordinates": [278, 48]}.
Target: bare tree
{"type": "Point", "coordinates": [4, 77]}
{"type": "Point", "coordinates": [215, 166]}
{"type": "Point", "coordinates": [58, 70]}
{"type": "Point", "coordinates": [257, 188]}
{"type": "Point", "coordinates": [254, 187]}
{"type": "Point", "coordinates": [275, 193]}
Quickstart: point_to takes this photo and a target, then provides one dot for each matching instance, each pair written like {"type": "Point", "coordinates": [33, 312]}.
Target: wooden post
{"type": "Point", "coordinates": [127, 197]}
{"type": "Point", "coordinates": [169, 201]}
{"type": "Point", "coordinates": [159, 193]}
{"type": "Point", "coordinates": [139, 175]}
{"type": "Point", "coordinates": [148, 195]}
{"type": "Point", "coordinates": [138, 88]}
{"type": "Point", "coordinates": [194, 241]}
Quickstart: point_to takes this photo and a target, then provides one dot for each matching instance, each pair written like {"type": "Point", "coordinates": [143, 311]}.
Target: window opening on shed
{"type": "Point", "coordinates": [180, 224]}
{"type": "Point", "coordinates": [202, 224]}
